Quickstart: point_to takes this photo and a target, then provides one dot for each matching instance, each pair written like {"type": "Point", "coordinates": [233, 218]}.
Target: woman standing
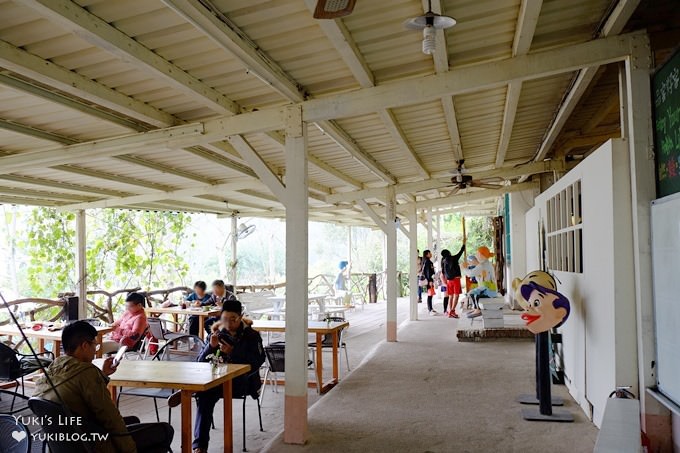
{"type": "Point", "coordinates": [428, 274]}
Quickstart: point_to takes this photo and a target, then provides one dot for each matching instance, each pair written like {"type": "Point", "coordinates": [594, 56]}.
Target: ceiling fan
{"type": "Point", "coordinates": [461, 180]}
{"type": "Point", "coordinates": [333, 9]}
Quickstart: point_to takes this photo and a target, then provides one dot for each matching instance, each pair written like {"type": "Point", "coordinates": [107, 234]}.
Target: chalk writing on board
{"type": "Point", "coordinates": [666, 92]}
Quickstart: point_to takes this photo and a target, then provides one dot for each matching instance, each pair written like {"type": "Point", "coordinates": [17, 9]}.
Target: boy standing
{"type": "Point", "coordinates": [452, 274]}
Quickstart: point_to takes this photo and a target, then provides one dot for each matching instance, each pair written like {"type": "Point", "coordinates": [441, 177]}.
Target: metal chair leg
{"type": "Point", "coordinates": [346, 357]}
{"type": "Point", "coordinates": [244, 422]}
{"type": "Point", "coordinates": [259, 414]}
{"type": "Point", "coordinates": [155, 406]}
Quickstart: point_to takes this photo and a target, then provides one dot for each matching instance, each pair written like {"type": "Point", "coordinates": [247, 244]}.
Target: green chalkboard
{"type": "Point", "coordinates": [666, 98]}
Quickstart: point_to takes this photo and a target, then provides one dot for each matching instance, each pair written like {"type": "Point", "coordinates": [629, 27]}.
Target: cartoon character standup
{"type": "Point", "coordinates": [544, 307]}
{"type": "Point", "coordinates": [486, 278]}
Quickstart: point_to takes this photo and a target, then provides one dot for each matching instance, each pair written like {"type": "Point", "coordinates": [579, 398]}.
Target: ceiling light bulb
{"type": "Point", "coordinates": [429, 43]}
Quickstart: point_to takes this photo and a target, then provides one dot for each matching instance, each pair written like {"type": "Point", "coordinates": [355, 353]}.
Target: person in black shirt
{"type": "Point", "coordinates": [451, 274]}
{"type": "Point", "coordinates": [428, 274]}
{"type": "Point", "coordinates": [237, 342]}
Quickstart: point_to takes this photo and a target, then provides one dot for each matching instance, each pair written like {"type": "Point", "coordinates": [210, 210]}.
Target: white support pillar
{"type": "Point", "coordinates": [430, 238]}
{"type": "Point", "coordinates": [413, 260]}
{"type": "Point", "coordinates": [81, 263]}
{"type": "Point", "coordinates": [654, 420]}
{"type": "Point", "coordinates": [349, 258]}
{"type": "Point", "coordinates": [391, 278]}
{"type": "Point", "coordinates": [440, 247]}
{"type": "Point", "coordinates": [296, 201]}
{"type": "Point", "coordinates": [234, 249]}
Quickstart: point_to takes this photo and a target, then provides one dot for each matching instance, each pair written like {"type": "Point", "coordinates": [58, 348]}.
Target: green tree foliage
{"type": "Point", "coordinates": [50, 242]}
{"type": "Point", "coordinates": [124, 249]}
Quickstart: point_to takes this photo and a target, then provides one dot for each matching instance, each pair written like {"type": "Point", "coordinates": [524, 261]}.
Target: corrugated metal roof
{"type": "Point", "coordinates": [285, 32]}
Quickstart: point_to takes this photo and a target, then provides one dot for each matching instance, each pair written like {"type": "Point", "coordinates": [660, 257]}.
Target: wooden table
{"type": "Point", "coordinates": [202, 314]}
{"type": "Point", "coordinates": [320, 329]}
{"type": "Point", "coordinates": [45, 335]}
{"type": "Point", "coordinates": [189, 377]}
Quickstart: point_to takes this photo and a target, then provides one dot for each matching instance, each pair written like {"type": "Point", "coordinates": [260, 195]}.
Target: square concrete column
{"type": "Point", "coordinates": [413, 261]}
{"type": "Point", "coordinates": [296, 201]}
{"type": "Point", "coordinates": [391, 280]}
{"type": "Point", "coordinates": [81, 263]}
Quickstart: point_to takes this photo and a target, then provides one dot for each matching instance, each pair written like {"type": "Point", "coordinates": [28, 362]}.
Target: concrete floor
{"type": "Point", "coordinates": [430, 393]}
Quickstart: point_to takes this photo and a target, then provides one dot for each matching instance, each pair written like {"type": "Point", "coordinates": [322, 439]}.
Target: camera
{"type": "Point", "coordinates": [225, 338]}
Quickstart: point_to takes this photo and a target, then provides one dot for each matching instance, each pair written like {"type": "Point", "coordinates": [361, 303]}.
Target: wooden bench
{"type": "Point", "coordinates": [620, 431]}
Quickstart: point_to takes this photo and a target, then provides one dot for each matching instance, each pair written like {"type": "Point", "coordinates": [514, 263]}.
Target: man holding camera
{"type": "Point", "coordinates": [236, 342]}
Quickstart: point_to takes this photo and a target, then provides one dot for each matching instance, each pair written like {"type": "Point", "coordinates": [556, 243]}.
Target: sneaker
{"type": "Point", "coordinates": [433, 313]}
{"type": "Point", "coordinates": [453, 314]}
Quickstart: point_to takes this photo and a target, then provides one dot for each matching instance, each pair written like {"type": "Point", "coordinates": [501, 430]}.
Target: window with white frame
{"type": "Point", "coordinates": [564, 235]}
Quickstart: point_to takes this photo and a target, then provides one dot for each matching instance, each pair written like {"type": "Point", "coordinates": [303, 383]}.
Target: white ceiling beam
{"type": "Point", "coordinates": [339, 136]}
{"type": "Point", "coordinates": [509, 114]}
{"type": "Point", "coordinates": [338, 34]}
{"type": "Point", "coordinates": [31, 131]}
{"type": "Point", "coordinates": [441, 65]}
{"type": "Point", "coordinates": [223, 32]}
{"type": "Point", "coordinates": [220, 29]}
{"type": "Point", "coordinates": [271, 180]}
{"type": "Point", "coordinates": [45, 72]}
{"type": "Point", "coordinates": [477, 195]}
{"type": "Point", "coordinates": [527, 19]}
{"type": "Point", "coordinates": [35, 68]}
{"type": "Point", "coordinates": [73, 154]}
{"type": "Point", "coordinates": [473, 78]}
{"type": "Point", "coordinates": [612, 27]}
{"type": "Point", "coordinates": [389, 95]}
{"type": "Point", "coordinates": [439, 183]}
{"type": "Point", "coordinates": [72, 17]}
{"type": "Point", "coordinates": [369, 211]}
{"type": "Point", "coordinates": [63, 186]}
{"type": "Point", "coordinates": [158, 196]}
{"type": "Point", "coordinates": [163, 168]}
{"type": "Point", "coordinates": [398, 136]}
{"type": "Point", "coordinates": [71, 102]}
{"type": "Point", "coordinates": [326, 168]}
{"type": "Point", "coordinates": [280, 140]}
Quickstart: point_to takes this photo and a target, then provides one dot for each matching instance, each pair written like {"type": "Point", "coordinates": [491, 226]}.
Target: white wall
{"type": "Point", "coordinates": [599, 338]}
{"type": "Point", "coordinates": [520, 203]}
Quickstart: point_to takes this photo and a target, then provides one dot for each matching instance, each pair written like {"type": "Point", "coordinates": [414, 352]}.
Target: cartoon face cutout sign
{"type": "Point", "coordinates": [547, 308]}
{"type": "Point", "coordinates": [544, 307]}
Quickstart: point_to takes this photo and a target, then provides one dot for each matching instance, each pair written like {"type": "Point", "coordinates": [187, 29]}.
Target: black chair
{"type": "Point", "coordinates": [276, 363]}
{"type": "Point", "coordinates": [14, 435]}
{"type": "Point", "coordinates": [186, 348]}
{"type": "Point", "coordinates": [14, 366]}
{"type": "Point", "coordinates": [327, 342]}
{"type": "Point", "coordinates": [51, 410]}
{"type": "Point", "coordinates": [256, 397]}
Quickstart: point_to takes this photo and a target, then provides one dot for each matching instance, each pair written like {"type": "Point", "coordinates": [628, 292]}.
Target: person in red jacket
{"type": "Point", "coordinates": [128, 330]}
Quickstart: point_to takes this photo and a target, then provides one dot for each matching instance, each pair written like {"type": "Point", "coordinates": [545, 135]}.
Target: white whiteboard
{"type": "Point", "coordinates": [666, 268]}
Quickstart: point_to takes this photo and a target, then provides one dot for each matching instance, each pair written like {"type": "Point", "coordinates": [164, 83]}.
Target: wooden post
{"type": "Point", "coordinates": [234, 249]}
{"type": "Point", "coordinates": [413, 261]}
{"type": "Point", "coordinates": [655, 420]}
{"type": "Point", "coordinates": [391, 255]}
{"type": "Point", "coordinates": [81, 263]}
{"type": "Point", "coordinates": [296, 202]}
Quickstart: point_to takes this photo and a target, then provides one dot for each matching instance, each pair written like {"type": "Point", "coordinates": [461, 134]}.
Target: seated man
{"type": "Point", "coordinates": [219, 295]}
{"type": "Point", "coordinates": [82, 388]}
{"type": "Point", "coordinates": [237, 342]}
{"type": "Point", "coordinates": [128, 330]}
